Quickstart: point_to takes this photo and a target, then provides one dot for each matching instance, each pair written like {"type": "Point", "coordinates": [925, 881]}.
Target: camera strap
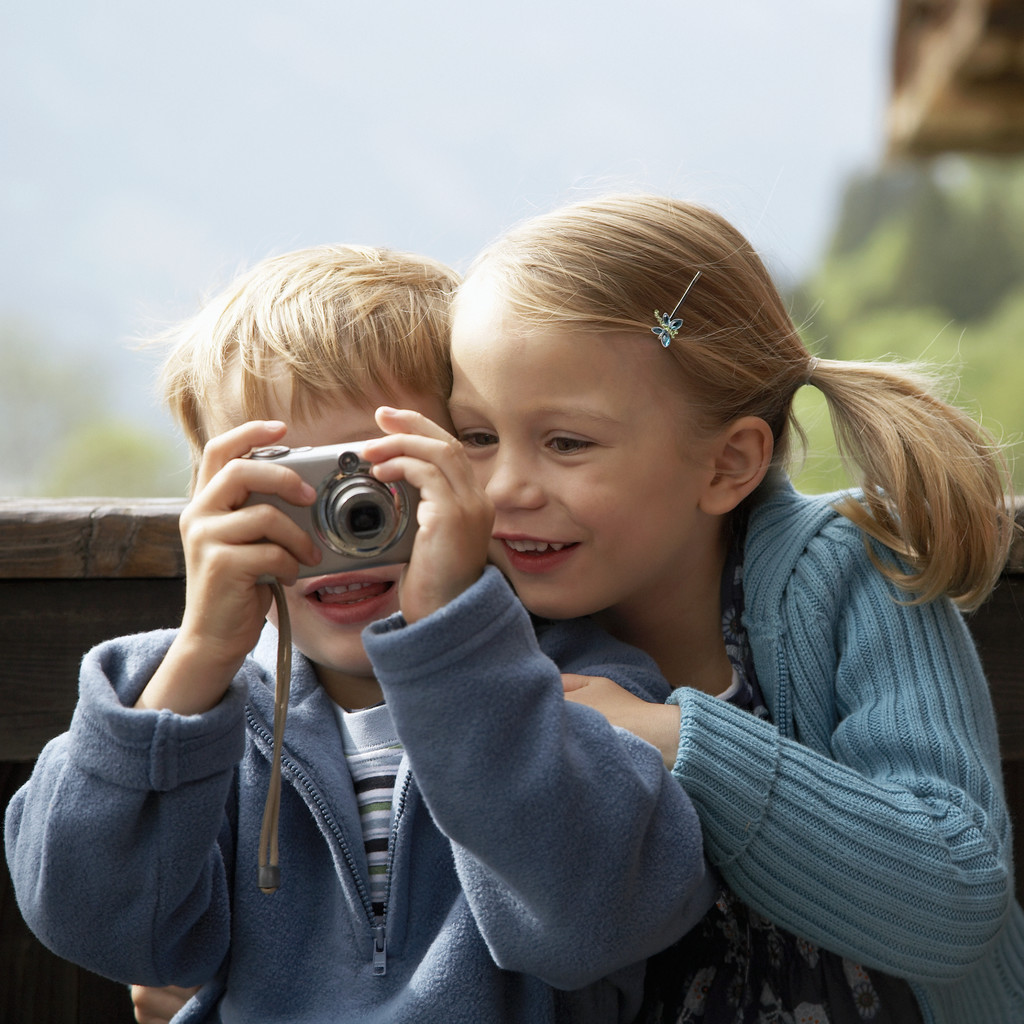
{"type": "Point", "coordinates": [269, 872]}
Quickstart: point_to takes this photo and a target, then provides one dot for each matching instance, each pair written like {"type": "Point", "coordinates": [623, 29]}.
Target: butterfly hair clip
{"type": "Point", "coordinates": [669, 323]}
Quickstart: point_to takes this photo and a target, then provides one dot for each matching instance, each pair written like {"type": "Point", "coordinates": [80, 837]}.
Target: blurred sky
{"type": "Point", "coordinates": [149, 151]}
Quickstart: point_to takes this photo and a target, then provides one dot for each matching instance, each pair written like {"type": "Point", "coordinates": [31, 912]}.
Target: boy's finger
{"type": "Point", "coordinates": [246, 564]}
{"type": "Point", "coordinates": [258, 523]}
{"type": "Point", "coordinates": [262, 522]}
{"type": "Point", "coordinates": [242, 480]}
{"type": "Point", "coordinates": [418, 446]}
{"type": "Point", "coordinates": [235, 443]}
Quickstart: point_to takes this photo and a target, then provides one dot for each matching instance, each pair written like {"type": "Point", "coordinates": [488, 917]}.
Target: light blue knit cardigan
{"type": "Point", "coordinates": [870, 817]}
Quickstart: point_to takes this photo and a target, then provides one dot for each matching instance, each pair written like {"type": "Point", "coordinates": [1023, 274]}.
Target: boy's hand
{"type": "Point", "coordinates": [455, 516]}
{"type": "Point", "coordinates": [228, 546]}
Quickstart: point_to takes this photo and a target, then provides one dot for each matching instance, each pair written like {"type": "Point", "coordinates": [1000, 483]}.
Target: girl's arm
{"type": "Point", "coordinates": [870, 817]}
{"type": "Point", "coordinates": [887, 795]}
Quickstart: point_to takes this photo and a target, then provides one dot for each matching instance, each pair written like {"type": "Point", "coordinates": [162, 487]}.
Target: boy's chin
{"type": "Point", "coordinates": [349, 681]}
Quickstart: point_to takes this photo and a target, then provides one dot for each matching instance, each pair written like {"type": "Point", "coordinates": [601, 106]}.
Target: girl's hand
{"type": "Point", "coordinates": [228, 547]}
{"type": "Point", "coordinates": [455, 517]}
{"type": "Point", "coordinates": [159, 1005]}
{"type": "Point", "coordinates": [656, 723]}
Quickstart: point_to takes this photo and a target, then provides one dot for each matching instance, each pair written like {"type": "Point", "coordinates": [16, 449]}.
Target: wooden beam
{"type": "Point", "coordinates": [957, 78]}
{"type": "Point", "coordinates": [73, 574]}
{"type": "Point", "coordinates": [82, 538]}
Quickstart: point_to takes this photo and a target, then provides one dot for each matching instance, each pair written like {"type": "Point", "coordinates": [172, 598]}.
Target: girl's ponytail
{"type": "Point", "coordinates": [933, 479]}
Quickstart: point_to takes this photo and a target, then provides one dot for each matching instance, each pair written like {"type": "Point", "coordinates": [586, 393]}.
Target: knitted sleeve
{"type": "Point", "coordinates": [870, 817]}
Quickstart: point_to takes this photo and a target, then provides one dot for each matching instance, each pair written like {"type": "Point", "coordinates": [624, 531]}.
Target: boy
{"type": "Point", "coordinates": [475, 848]}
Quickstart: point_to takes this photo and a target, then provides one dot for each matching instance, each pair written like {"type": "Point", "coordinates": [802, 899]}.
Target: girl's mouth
{"type": "Point", "coordinates": [534, 546]}
{"type": "Point", "coordinates": [536, 556]}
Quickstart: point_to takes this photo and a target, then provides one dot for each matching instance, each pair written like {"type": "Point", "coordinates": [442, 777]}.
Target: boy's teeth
{"type": "Point", "coordinates": [345, 588]}
{"type": "Point", "coordinates": [533, 545]}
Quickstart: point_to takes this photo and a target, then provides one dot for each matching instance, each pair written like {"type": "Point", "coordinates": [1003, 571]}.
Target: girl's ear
{"type": "Point", "coordinates": [742, 454]}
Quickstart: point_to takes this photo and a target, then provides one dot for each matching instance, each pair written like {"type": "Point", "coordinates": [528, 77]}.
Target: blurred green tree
{"type": "Point", "coordinates": [60, 437]}
{"type": "Point", "coordinates": [113, 458]}
{"type": "Point", "coordinates": [926, 263]}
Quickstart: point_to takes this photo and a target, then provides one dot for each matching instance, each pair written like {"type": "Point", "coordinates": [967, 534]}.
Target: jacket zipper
{"type": "Point", "coordinates": [379, 955]}
{"type": "Point", "coordinates": [380, 935]}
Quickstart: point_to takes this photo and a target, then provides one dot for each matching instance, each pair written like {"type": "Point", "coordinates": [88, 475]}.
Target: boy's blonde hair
{"type": "Point", "coordinates": [320, 325]}
{"type": "Point", "coordinates": [934, 483]}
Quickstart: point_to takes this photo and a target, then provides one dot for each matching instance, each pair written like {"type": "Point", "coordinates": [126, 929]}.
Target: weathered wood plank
{"type": "Point", "coordinates": [45, 628]}
{"type": "Point", "coordinates": [75, 573]}
{"type": "Point", "coordinates": [83, 538]}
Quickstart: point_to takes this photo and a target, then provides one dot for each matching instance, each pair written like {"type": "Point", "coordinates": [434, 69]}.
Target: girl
{"type": "Point", "coordinates": [831, 721]}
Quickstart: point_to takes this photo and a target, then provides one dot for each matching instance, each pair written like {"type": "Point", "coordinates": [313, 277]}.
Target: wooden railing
{"type": "Point", "coordinates": [73, 573]}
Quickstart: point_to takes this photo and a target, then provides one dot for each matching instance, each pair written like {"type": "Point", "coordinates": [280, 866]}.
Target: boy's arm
{"type": "Point", "coordinates": [579, 853]}
{"type": "Point", "coordinates": [118, 844]}
{"type": "Point", "coordinates": [113, 842]}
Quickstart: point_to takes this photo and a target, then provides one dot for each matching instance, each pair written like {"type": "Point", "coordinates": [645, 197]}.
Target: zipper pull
{"type": "Point", "coordinates": [380, 951]}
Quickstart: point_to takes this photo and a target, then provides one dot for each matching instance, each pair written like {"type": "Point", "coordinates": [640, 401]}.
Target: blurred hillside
{"type": "Point", "coordinates": [926, 263]}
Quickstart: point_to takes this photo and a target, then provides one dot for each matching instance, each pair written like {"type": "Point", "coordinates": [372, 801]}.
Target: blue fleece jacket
{"type": "Point", "coordinates": [539, 855]}
{"type": "Point", "coordinates": [869, 815]}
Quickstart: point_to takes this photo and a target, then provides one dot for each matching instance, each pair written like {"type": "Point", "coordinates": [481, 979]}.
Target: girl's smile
{"type": "Point", "coordinates": [529, 555]}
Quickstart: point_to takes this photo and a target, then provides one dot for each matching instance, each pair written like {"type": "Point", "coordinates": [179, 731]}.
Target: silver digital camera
{"type": "Point", "coordinates": [357, 521]}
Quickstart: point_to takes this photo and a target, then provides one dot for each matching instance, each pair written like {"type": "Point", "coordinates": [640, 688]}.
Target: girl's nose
{"type": "Point", "coordinates": [512, 484]}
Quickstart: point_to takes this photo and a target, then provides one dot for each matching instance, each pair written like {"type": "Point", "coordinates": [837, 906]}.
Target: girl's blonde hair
{"type": "Point", "coordinates": [934, 483]}
{"type": "Point", "coordinates": [323, 324]}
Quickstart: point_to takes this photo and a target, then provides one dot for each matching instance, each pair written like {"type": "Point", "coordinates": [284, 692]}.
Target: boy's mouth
{"type": "Point", "coordinates": [352, 593]}
{"type": "Point", "coordinates": [354, 598]}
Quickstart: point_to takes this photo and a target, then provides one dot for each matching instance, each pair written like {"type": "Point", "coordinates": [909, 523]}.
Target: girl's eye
{"type": "Point", "coordinates": [568, 445]}
{"type": "Point", "coordinates": [477, 439]}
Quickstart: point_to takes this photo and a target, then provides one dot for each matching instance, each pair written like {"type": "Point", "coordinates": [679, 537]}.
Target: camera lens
{"type": "Point", "coordinates": [365, 520]}
{"type": "Point", "coordinates": [359, 516]}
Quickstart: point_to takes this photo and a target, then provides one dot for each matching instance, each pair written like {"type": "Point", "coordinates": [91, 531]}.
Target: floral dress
{"type": "Point", "coordinates": [736, 967]}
